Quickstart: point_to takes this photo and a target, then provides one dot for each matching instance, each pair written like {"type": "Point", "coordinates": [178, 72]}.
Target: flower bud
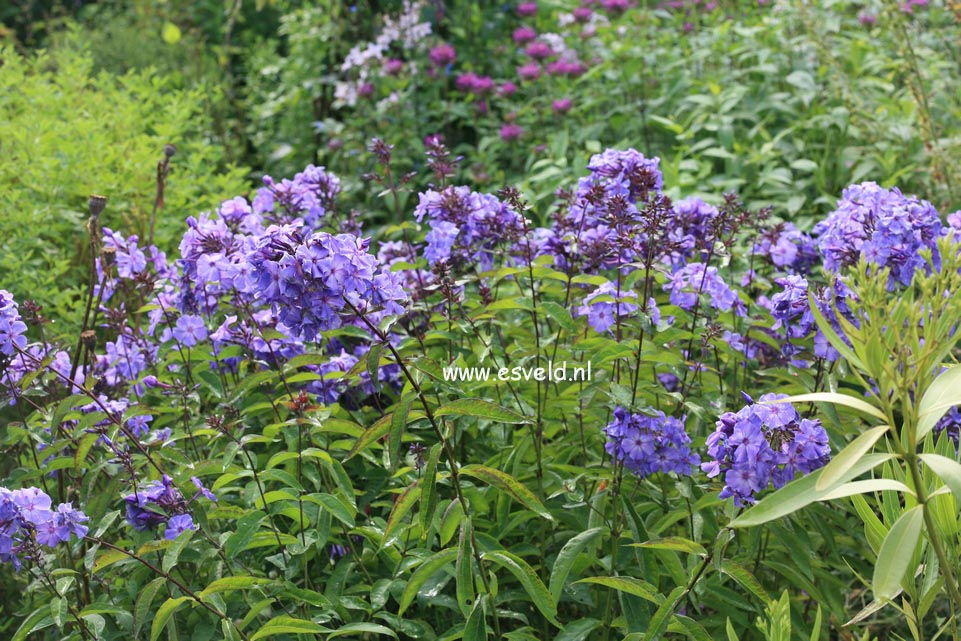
{"type": "Point", "coordinates": [169, 150]}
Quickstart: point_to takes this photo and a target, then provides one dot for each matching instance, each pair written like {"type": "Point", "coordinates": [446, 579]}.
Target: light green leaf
{"type": "Point", "coordinates": [247, 526]}
{"type": "Point", "coordinates": [747, 580]}
{"type": "Point", "coordinates": [566, 557]}
{"type": "Point", "coordinates": [863, 487]}
{"type": "Point", "coordinates": [371, 435]}
{"type": "Point", "coordinates": [853, 402]}
{"type": "Point", "coordinates": [230, 583]}
{"type": "Point", "coordinates": [663, 615]}
{"type": "Point", "coordinates": [896, 553]}
{"type": "Point", "coordinates": [674, 543]}
{"type": "Point", "coordinates": [508, 484]}
{"type": "Point", "coordinates": [528, 578]}
{"type": "Point", "coordinates": [358, 630]}
{"type": "Point", "coordinates": [943, 394]}
{"type": "Point", "coordinates": [287, 625]}
{"type": "Point", "coordinates": [948, 470]}
{"type": "Point", "coordinates": [163, 615]}
{"type": "Point", "coordinates": [482, 409]}
{"type": "Point", "coordinates": [476, 627]}
{"type": "Point", "coordinates": [627, 584]}
{"type": "Point", "coordinates": [422, 573]}
{"type": "Point", "coordinates": [801, 492]}
{"type": "Point", "coordinates": [846, 458]}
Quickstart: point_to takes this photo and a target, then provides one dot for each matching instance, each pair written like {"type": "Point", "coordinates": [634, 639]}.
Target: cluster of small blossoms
{"type": "Point", "coordinates": [310, 195]}
{"type": "Point", "coordinates": [466, 226]}
{"type": "Point", "coordinates": [160, 502]}
{"type": "Point", "coordinates": [762, 444]}
{"type": "Point", "coordinates": [794, 320]}
{"type": "Point", "coordinates": [788, 248]}
{"type": "Point", "coordinates": [12, 330]}
{"type": "Point", "coordinates": [333, 388]}
{"type": "Point", "coordinates": [606, 305]}
{"type": "Point", "coordinates": [883, 226]}
{"type": "Point", "coordinates": [405, 31]}
{"type": "Point", "coordinates": [649, 443]}
{"type": "Point", "coordinates": [950, 424]}
{"type": "Point", "coordinates": [312, 280]}
{"type": "Point", "coordinates": [686, 284]}
{"type": "Point", "coordinates": [601, 226]}
{"type": "Point", "coordinates": [27, 518]}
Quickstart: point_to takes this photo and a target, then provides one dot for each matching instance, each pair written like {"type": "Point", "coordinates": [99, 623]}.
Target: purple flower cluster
{"type": "Point", "coordinates": [12, 329]}
{"type": "Point", "coordinates": [649, 443]}
{"type": "Point", "coordinates": [310, 196]}
{"type": "Point", "coordinates": [950, 424]}
{"type": "Point", "coordinates": [695, 278]}
{"type": "Point", "coordinates": [466, 226]}
{"type": "Point", "coordinates": [605, 305]}
{"type": "Point", "coordinates": [788, 247]}
{"type": "Point", "coordinates": [161, 502]}
{"type": "Point", "coordinates": [313, 280]}
{"type": "Point", "coordinates": [762, 444]}
{"type": "Point", "coordinates": [881, 225]}
{"type": "Point", "coordinates": [27, 517]}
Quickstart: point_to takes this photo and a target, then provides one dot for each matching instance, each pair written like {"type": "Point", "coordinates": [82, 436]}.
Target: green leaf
{"type": "Point", "coordinates": [846, 458]}
{"type": "Point", "coordinates": [172, 555]}
{"type": "Point", "coordinates": [896, 553]}
{"type": "Point", "coordinates": [39, 619]}
{"type": "Point", "coordinates": [747, 580]}
{"type": "Point", "coordinates": [108, 557]}
{"type": "Point", "coordinates": [163, 615]}
{"type": "Point", "coordinates": [560, 314]}
{"type": "Point", "coordinates": [863, 487]}
{"type": "Point", "coordinates": [371, 435]}
{"type": "Point", "coordinates": [337, 508]}
{"type": "Point", "coordinates": [948, 470]}
{"type": "Point", "coordinates": [230, 583]}
{"type": "Point", "coordinates": [428, 495]}
{"type": "Point", "coordinates": [853, 402]}
{"type": "Point", "coordinates": [398, 423]}
{"type": "Point", "coordinates": [360, 629]}
{"type": "Point", "coordinates": [528, 578]}
{"type": "Point", "coordinates": [476, 627]}
{"type": "Point", "coordinates": [464, 569]}
{"type": "Point", "coordinates": [943, 394]}
{"type": "Point", "coordinates": [482, 409]}
{"type": "Point", "coordinates": [287, 625]}
{"type": "Point", "coordinates": [663, 614]}
{"type": "Point", "coordinates": [627, 584]}
{"type": "Point", "coordinates": [508, 484]}
{"type": "Point", "coordinates": [566, 557]}
{"type": "Point", "coordinates": [141, 611]}
{"type": "Point", "coordinates": [422, 573]}
{"type": "Point", "coordinates": [402, 506]}
{"type": "Point", "coordinates": [247, 526]}
{"type": "Point", "coordinates": [801, 492]}
{"type": "Point", "coordinates": [674, 543]}
{"type": "Point", "coordinates": [828, 330]}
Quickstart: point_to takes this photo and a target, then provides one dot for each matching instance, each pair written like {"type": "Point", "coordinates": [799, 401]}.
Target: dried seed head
{"type": "Point", "coordinates": [108, 255]}
{"type": "Point", "coordinates": [96, 204]}
{"type": "Point", "coordinates": [89, 339]}
{"type": "Point", "coordinates": [169, 150]}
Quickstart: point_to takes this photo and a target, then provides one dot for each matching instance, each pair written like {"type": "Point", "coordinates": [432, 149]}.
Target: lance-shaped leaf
{"type": "Point", "coordinates": [508, 484]}
{"type": "Point", "coordinates": [896, 553]}
{"type": "Point", "coordinates": [943, 394]}
{"type": "Point", "coordinates": [848, 457]}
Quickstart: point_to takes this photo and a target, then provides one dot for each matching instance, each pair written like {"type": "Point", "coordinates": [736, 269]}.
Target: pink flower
{"type": "Point", "coordinates": [523, 35]}
{"type": "Point", "coordinates": [507, 89]}
{"type": "Point", "coordinates": [530, 71]}
{"type": "Point", "coordinates": [561, 106]}
{"type": "Point", "coordinates": [442, 54]}
{"type": "Point", "coordinates": [582, 14]}
{"type": "Point", "coordinates": [511, 132]}
{"type": "Point", "coordinates": [539, 50]}
{"type": "Point", "coordinates": [393, 66]}
{"type": "Point", "coordinates": [526, 9]}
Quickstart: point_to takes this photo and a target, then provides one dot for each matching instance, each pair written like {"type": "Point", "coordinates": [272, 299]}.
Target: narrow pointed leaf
{"type": "Point", "coordinates": [849, 456]}
{"type": "Point", "coordinates": [566, 557]}
{"type": "Point", "coordinates": [835, 398]}
{"type": "Point", "coordinates": [948, 470]}
{"type": "Point", "coordinates": [508, 484]}
{"type": "Point", "coordinates": [528, 578]}
{"type": "Point", "coordinates": [896, 553]}
{"type": "Point", "coordinates": [481, 409]}
{"type": "Point", "coordinates": [943, 394]}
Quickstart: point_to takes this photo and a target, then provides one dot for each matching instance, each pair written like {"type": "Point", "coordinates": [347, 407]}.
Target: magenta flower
{"type": "Point", "coordinates": [530, 71]}
{"type": "Point", "coordinates": [526, 9]}
{"type": "Point", "coordinates": [539, 50]}
{"type": "Point", "coordinates": [511, 132]}
{"type": "Point", "coordinates": [507, 89]}
{"type": "Point", "coordinates": [561, 106]}
{"type": "Point", "coordinates": [393, 66]}
{"type": "Point", "coordinates": [523, 35]}
{"type": "Point", "coordinates": [442, 54]}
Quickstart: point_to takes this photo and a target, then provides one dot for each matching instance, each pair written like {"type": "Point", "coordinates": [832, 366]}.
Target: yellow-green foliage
{"type": "Point", "coordinates": [66, 133]}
